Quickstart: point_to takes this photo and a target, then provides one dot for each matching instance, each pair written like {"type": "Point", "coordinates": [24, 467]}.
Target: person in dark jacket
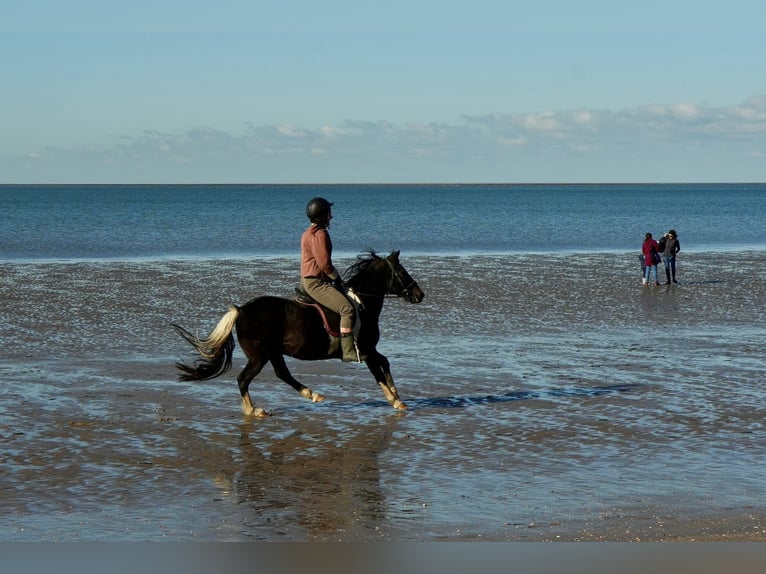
{"type": "Point", "coordinates": [668, 252]}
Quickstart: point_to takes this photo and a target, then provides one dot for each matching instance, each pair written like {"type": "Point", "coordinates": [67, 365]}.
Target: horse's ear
{"type": "Point", "coordinates": [394, 255]}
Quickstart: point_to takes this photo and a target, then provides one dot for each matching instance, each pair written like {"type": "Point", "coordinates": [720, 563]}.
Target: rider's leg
{"type": "Point", "coordinates": [333, 299]}
{"type": "Point", "coordinates": [347, 345]}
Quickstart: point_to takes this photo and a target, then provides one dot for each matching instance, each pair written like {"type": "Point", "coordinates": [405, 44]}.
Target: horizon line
{"type": "Point", "coordinates": [382, 184]}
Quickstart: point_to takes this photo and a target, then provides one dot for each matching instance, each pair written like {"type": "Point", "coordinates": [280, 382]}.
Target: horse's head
{"type": "Point", "coordinates": [377, 276]}
{"type": "Point", "coordinates": [401, 283]}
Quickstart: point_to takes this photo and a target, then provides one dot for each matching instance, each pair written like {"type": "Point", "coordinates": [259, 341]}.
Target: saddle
{"type": "Point", "coordinates": [330, 319]}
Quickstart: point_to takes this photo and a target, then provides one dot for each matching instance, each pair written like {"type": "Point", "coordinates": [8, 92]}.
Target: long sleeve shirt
{"type": "Point", "coordinates": [316, 254]}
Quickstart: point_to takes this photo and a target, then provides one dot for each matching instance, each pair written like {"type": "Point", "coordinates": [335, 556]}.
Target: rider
{"type": "Point", "coordinates": [320, 279]}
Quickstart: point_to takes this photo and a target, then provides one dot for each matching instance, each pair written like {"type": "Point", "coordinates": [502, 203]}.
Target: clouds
{"type": "Point", "coordinates": [657, 142]}
{"type": "Point", "coordinates": [662, 121]}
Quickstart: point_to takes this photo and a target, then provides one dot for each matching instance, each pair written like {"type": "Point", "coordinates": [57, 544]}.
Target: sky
{"type": "Point", "coordinates": [336, 91]}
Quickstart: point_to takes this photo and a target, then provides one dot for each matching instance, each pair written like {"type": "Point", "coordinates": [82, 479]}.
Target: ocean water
{"type": "Point", "coordinates": [202, 221]}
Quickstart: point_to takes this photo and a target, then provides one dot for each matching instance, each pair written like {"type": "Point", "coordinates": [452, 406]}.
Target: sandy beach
{"type": "Point", "coordinates": [551, 398]}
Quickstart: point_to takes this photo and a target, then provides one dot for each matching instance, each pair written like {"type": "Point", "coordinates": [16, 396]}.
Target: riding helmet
{"type": "Point", "coordinates": [317, 210]}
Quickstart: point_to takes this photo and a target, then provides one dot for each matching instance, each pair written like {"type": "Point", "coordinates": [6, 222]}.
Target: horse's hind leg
{"type": "Point", "coordinates": [281, 370]}
{"type": "Point", "coordinates": [244, 379]}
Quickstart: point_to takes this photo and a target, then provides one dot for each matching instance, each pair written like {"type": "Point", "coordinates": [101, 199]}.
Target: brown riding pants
{"type": "Point", "coordinates": [330, 297]}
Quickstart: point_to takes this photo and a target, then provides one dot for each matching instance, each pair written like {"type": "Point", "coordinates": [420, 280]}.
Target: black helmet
{"type": "Point", "coordinates": [317, 210]}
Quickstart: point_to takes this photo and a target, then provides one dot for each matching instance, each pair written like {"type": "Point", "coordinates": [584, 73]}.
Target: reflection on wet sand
{"type": "Point", "coordinates": [314, 482]}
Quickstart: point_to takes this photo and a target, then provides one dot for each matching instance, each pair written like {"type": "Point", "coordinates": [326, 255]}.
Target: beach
{"type": "Point", "coordinates": [551, 397]}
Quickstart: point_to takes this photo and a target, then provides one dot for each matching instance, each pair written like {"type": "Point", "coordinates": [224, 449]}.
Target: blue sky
{"type": "Point", "coordinates": [399, 91]}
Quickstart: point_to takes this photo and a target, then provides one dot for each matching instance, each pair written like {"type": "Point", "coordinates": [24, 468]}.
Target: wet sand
{"type": "Point", "coordinates": [550, 397]}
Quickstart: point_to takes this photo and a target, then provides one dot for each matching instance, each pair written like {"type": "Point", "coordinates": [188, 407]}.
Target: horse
{"type": "Point", "coordinates": [269, 327]}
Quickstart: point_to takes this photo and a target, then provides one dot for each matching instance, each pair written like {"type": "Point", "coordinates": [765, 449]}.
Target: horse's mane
{"type": "Point", "coordinates": [363, 262]}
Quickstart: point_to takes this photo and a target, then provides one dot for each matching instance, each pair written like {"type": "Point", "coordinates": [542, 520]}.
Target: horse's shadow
{"type": "Point", "coordinates": [459, 402]}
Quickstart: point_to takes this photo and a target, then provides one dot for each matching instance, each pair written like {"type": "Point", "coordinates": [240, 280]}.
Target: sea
{"type": "Point", "coordinates": [73, 222]}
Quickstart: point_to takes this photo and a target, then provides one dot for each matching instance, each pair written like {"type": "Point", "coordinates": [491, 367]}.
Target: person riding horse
{"type": "Point", "coordinates": [320, 279]}
{"type": "Point", "coordinates": [271, 328]}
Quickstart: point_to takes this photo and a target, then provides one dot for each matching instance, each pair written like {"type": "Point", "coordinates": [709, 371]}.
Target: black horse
{"type": "Point", "coordinates": [268, 328]}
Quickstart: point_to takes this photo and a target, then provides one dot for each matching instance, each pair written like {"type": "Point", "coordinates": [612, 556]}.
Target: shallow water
{"type": "Point", "coordinates": [550, 397]}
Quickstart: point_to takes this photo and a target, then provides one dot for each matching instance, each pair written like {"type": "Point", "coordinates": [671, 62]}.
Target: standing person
{"type": "Point", "coordinates": [650, 250]}
{"type": "Point", "coordinates": [671, 247]}
{"type": "Point", "coordinates": [320, 279]}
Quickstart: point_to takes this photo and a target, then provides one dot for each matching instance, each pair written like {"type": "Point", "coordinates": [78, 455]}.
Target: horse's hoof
{"type": "Point", "coordinates": [399, 405]}
{"type": "Point", "coordinates": [258, 413]}
{"type": "Point", "coordinates": [313, 395]}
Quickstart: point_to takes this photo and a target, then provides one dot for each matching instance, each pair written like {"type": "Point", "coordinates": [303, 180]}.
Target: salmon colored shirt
{"type": "Point", "coordinates": [316, 254]}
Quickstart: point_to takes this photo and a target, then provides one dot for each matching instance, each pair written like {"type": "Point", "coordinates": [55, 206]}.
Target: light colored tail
{"type": "Point", "coordinates": [215, 350]}
{"type": "Point", "coordinates": [209, 346]}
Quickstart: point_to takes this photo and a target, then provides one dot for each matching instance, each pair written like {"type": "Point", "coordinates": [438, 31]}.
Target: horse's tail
{"type": "Point", "coordinates": [215, 350]}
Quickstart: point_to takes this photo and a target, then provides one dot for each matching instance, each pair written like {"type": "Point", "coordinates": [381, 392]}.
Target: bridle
{"type": "Point", "coordinates": [395, 279]}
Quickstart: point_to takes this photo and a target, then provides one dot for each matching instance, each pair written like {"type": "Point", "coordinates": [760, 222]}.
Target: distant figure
{"type": "Point", "coordinates": [320, 279]}
{"type": "Point", "coordinates": [651, 252]}
{"type": "Point", "coordinates": [668, 251]}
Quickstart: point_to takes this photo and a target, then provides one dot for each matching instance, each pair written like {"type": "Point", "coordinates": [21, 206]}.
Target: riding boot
{"type": "Point", "coordinates": [349, 349]}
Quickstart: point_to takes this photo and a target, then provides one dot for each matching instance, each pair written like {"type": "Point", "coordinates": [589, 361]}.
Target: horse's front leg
{"type": "Point", "coordinates": [381, 370]}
